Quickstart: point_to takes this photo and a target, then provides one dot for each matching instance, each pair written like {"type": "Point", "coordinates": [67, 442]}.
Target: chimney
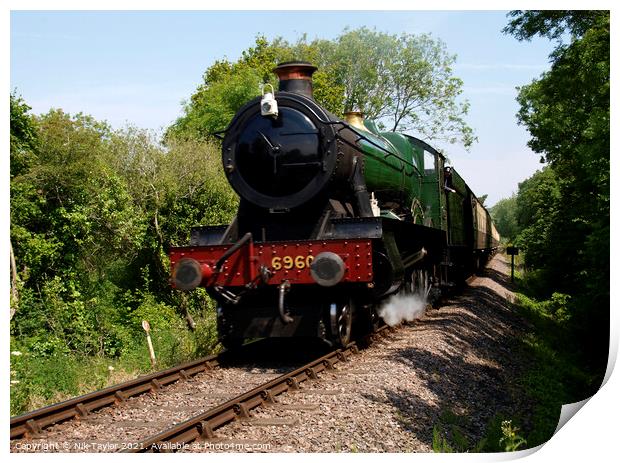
{"type": "Point", "coordinates": [295, 77]}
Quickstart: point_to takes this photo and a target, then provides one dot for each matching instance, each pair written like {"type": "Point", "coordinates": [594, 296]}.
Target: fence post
{"type": "Point", "coordinates": [147, 329]}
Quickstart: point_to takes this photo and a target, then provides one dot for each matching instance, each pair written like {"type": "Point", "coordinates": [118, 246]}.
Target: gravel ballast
{"type": "Point", "coordinates": [454, 360]}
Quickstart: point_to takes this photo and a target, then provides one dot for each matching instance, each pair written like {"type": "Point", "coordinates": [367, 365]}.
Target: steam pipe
{"type": "Point", "coordinates": [231, 250]}
{"type": "Point", "coordinates": [359, 189]}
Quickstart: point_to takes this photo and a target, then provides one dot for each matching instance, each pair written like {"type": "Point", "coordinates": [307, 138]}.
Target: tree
{"type": "Point", "coordinates": [226, 87]}
{"type": "Point", "coordinates": [23, 136]}
{"type": "Point", "coordinates": [536, 208]}
{"type": "Point", "coordinates": [405, 82]}
{"type": "Point", "coordinates": [504, 217]}
{"type": "Point", "coordinates": [567, 114]}
{"type": "Point", "coordinates": [552, 23]}
{"type": "Point", "coordinates": [23, 145]}
{"type": "Point", "coordinates": [174, 187]}
{"type": "Point", "coordinates": [213, 106]}
{"type": "Point", "coordinates": [71, 219]}
{"type": "Point", "coordinates": [93, 213]}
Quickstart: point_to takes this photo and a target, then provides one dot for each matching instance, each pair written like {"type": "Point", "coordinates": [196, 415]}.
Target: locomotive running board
{"type": "Point", "coordinates": [360, 227]}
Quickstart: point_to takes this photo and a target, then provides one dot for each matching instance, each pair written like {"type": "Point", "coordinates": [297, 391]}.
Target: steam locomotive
{"type": "Point", "coordinates": [334, 218]}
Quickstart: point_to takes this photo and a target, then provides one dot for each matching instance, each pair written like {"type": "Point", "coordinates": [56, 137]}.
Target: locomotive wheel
{"type": "Point", "coordinates": [376, 321]}
{"type": "Point", "coordinates": [367, 320]}
{"type": "Point", "coordinates": [341, 317]}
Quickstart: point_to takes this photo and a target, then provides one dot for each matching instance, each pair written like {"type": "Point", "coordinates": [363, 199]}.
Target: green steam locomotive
{"type": "Point", "coordinates": [334, 218]}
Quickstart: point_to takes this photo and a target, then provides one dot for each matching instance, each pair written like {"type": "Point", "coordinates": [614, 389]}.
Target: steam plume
{"type": "Point", "coordinates": [404, 306]}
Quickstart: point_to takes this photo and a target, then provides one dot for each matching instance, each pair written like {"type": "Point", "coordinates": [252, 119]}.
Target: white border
{"type": "Point", "coordinates": [591, 435]}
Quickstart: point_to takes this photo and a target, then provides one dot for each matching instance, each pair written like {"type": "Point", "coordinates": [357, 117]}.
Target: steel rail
{"type": "Point", "coordinates": [204, 424]}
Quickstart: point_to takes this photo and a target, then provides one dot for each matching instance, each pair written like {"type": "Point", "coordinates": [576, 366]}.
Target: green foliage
{"type": "Point", "coordinates": [552, 23]}
{"type": "Point", "coordinates": [40, 380]}
{"type": "Point", "coordinates": [23, 140]}
{"type": "Point", "coordinates": [563, 212]}
{"type": "Point", "coordinates": [171, 340]}
{"type": "Point", "coordinates": [34, 377]}
{"type": "Point", "coordinates": [504, 217]}
{"type": "Point", "coordinates": [212, 107]}
{"type": "Point", "coordinates": [205, 334]}
{"type": "Point", "coordinates": [536, 213]}
{"type": "Point", "coordinates": [440, 442]}
{"type": "Point", "coordinates": [510, 439]}
{"type": "Point", "coordinates": [450, 435]}
{"type": "Point", "coordinates": [226, 87]}
{"type": "Point", "coordinates": [556, 373]}
{"type": "Point", "coordinates": [405, 81]}
{"type": "Point", "coordinates": [93, 213]}
{"type": "Point", "coordinates": [491, 442]}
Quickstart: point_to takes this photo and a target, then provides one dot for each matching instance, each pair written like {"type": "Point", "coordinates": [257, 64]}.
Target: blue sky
{"type": "Point", "coordinates": [137, 67]}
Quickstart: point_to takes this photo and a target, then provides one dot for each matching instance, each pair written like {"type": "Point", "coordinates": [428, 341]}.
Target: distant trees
{"type": "Point", "coordinates": [563, 211]}
{"type": "Point", "coordinates": [535, 214]}
{"type": "Point", "coordinates": [23, 144]}
{"type": "Point", "coordinates": [404, 81]}
{"type": "Point", "coordinates": [503, 214]}
{"type": "Point", "coordinates": [70, 218]}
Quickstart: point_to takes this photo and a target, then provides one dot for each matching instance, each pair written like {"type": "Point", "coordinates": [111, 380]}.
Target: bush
{"type": "Point", "coordinates": [93, 213]}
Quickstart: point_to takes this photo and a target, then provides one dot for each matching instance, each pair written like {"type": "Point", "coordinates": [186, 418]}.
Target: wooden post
{"type": "Point", "coordinates": [512, 251]}
{"type": "Point", "coordinates": [14, 294]}
{"type": "Point", "coordinates": [147, 329]}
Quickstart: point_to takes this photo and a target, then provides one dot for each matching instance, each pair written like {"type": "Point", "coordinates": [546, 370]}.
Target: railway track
{"type": "Point", "coordinates": [205, 424]}
{"type": "Point", "coordinates": [208, 404]}
{"type": "Point", "coordinates": [32, 424]}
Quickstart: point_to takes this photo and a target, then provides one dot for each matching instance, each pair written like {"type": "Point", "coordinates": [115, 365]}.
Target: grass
{"type": "Point", "coordinates": [450, 435]}
{"type": "Point", "coordinates": [554, 371]}
{"type": "Point", "coordinates": [553, 375]}
{"type": "Point", "coordinates": [38, 380]}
